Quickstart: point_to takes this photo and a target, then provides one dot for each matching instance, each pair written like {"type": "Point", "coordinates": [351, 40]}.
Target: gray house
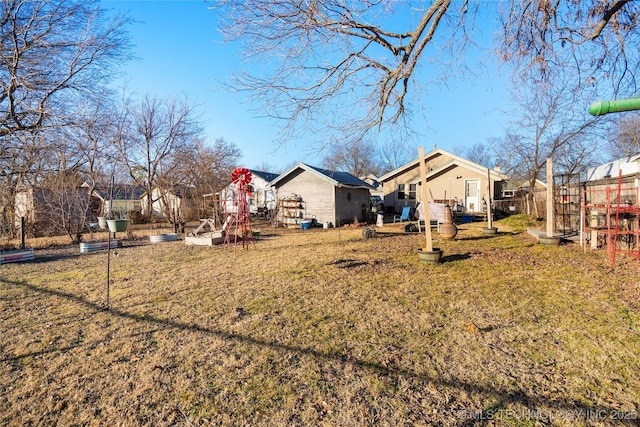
{"type": "Point", "coordinates": [307, 193]}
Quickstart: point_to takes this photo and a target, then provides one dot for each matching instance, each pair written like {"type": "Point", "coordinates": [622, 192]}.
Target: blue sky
{"type": "Point", "coordinates": [180, 52]}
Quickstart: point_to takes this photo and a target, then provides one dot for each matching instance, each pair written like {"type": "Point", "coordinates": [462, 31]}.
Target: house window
{"type": "Point", "coordinates": [412, 191]}
{"type": "Point", "coordinates": [401, 194]}
{"type": "Point", "coordinates": [407, 191]}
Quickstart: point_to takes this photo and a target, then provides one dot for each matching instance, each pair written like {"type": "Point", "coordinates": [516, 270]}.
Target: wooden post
{"type": "Point", "coordinates": [550, 204]}
{"type": "Point", "coordinates": [22, 235]}
{"type": "Point", "coordinates": [489, 215]}
{"type": "Point", "coordinates": [425, 201]}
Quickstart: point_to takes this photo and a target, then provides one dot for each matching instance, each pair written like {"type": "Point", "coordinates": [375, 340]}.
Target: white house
{"type": "Point", "coordinates": [169, 202]}
{"type": "Point", "coordinates": [262, 198]}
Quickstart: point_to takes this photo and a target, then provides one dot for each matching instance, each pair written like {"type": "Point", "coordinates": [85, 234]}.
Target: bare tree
{"type": "Point", "coordinates": [597, 40]}
{"type": "Point", "coordinates": [394, 153]}
{"type": "Point", "coordinates": [23, 158]}
{"type": "Point", "coordinates": [359, 158]}
{"type": "Point", "coordinates": [268, 167]}
{"type": "Point", "coordinates": [91, 142]}
{"type": "Point", "coordinates": [63, 205]}
{"type": "Point", "coordinates": [157, 129]}
{"type": "Point", "coordinates": [205, 169]}
{"type": "Point", "coordinates": [354, 63]}
{"type": "Point", "coordinates": [481, 153]}
{"type": "Point", "coordinates": [337, 57]}
{"type": "Point", "coordinates": [549, 126]}
{"type": "Point", "coordinates": [627, 137]}
{"type": "Point", "coordinates": [51, 51]}
{"type": "Point", "coordinates": [55, 53]}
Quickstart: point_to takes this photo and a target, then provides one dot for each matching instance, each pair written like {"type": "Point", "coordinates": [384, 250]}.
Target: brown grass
{"type": "Point", "coordinates": [322, 327]}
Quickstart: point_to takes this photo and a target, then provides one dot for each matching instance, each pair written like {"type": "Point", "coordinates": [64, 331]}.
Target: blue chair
{"type": "Point", "coordinates": [404, 216]}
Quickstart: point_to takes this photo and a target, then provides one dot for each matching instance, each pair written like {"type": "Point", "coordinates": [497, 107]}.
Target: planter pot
{"type": "Point", "coordinates": [447, 229]}
{"type": "Point", "coordinates": [169, 237]}
{"type": "Point", "coordinates": [86, 247]}
{"type": "Point", "coordinates": [17, 256]}
{"type": "Point", "coordinates": [116, 225]}
{"type": "Point", "coordinates": [549, 241]}
{"type": "Point", "coordinates": [102, 222]}
{"type": "Point", "coordinates": [430, 257]}
{"type": "Point", "coordinates": [489, 231]}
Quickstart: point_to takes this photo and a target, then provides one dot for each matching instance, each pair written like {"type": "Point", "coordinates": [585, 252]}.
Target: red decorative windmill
{"type": "Point", "coordinates": [239, 222]}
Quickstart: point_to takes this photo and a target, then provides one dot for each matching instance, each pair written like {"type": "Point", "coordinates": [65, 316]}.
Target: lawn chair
{"type": "Point", "coordinates": [404, 216]}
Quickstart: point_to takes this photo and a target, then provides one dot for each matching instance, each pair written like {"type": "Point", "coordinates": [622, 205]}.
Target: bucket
{"type": "Point", "coordinates": [467, 219]}
{"type": "Point", "coordinates": [327, 225]}
{"type": "Point", "coordinates": [116, 225]}
{"type": "Point", "coordinates": [102, 222]}
{"type": "Point", "coordinates": [305, 225]}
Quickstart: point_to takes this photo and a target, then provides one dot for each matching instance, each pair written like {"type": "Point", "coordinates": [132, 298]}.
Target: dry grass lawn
{"type": "Point", "coordinates": [322, 328]}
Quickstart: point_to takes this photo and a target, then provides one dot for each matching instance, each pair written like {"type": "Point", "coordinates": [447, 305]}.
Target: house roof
{"type": "Point", "coordinates": [522, 184]}
{"type": "Point", "coordinates": [267, 176]}
{"type": "Point", "coordinates": [179, 191]}
{"type": "Point", "coordinates": [337, 178]}
{"type": "Point", "coordinates": [374, 180]}
{"type": "Point", "coordinates": [455, 161]}
{"type": "Point", "coordinates": [120, 191]}
{"type": "Point", "coordinates": [627, 165]}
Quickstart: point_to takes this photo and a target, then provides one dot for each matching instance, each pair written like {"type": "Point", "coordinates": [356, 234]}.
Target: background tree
{"type": "Point", "coordinates": [156, 131]}
{"type": "Point", "coordinates": [626, 141]}
{"type": "Point", "coordinates": [358, 157]}
{"type": "Point", "coordinates": [549, 125]}
{"type": "Point", "coordinates": [206, 169]}
{"type": "Point", "coordinates": [53, 54]}
{"type": "Point", "coordinates": [91, 141]}
{"type": "Point", "coordinates": [480, 153]}
{"type": "Point", "coordinates": [394, 153]}
{"type": "Point", "coordinates": [63, 205]}
{"type": "Point", "coordinates": [268, 167]}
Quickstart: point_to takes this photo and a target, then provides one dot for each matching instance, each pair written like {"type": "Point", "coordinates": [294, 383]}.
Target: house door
{"type": "Point", "coordinates": [472, 195]}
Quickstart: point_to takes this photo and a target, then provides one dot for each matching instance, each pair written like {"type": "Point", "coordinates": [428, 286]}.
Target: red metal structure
{"type": "Point", "coordinates": [239, 220]}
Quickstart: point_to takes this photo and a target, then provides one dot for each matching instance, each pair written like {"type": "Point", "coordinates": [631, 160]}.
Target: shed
{"type": "Point", "coordinates": [322, 195]}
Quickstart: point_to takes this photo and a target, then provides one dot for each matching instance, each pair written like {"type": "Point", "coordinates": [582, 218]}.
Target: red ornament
{"type": "Point", "coordinates": [241, 176]}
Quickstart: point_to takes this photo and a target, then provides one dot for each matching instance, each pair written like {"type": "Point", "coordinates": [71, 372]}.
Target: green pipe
{"type": "Point", "coordinates": [599, 108]}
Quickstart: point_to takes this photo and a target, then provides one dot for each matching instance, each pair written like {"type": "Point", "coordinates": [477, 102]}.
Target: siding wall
{"type": "Point", "coordinates": [322, 200]}
{"type": "Point", "coordinates": [316, 192]}
{"type": "Point", "coordinates": [443, 187]}
{"type": "Point", "coordinates": [348, 208]}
